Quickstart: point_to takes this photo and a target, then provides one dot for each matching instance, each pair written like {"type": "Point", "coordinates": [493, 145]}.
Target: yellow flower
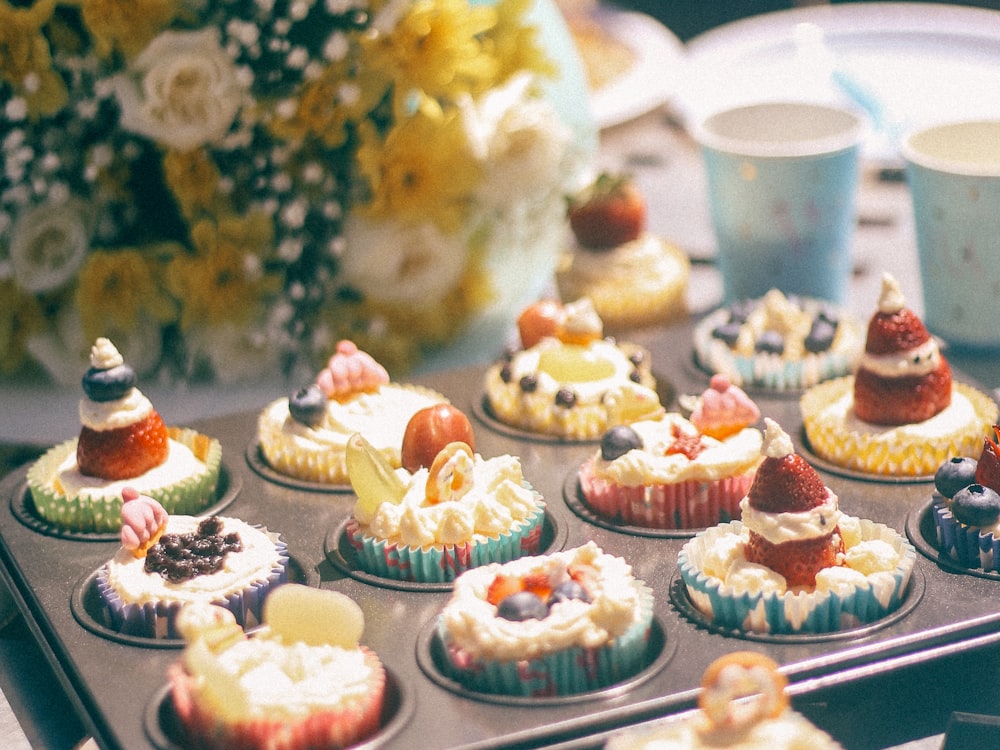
{"type": "Point", "coordinates": [423, 171]}
{"type": "Point", "coordinates": [21, 316]}
{"type": "Point", "coordinates": [115, 288]}
{"type": "Point", "coordinates": [128, 26]}
{"type": "Point", "coordinates": [515, 43]}
{"type": "Point", "coordinates": [192, 178]}
{"type": "Point", "coordinates": [226, 280]}
{"type": "Point", "coordinates": [25, 60]}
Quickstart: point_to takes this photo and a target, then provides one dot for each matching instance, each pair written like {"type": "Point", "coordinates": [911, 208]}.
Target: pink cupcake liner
{"type": "Point", "coordinates": [690, 504]}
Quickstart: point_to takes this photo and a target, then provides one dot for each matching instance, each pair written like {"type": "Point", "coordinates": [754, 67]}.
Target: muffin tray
{"type": "Point", "coordinates": [118, 684]}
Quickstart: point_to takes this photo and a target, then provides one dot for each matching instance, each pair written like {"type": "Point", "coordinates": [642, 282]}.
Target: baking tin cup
{"type": "Point", "coordinates": [794, 613]}
{"type": "Point", "coordinates": [442, 564]}
{"type": "Point", "coordinates": [83, 513]}
{"type": "Point", "coordinates": [157, 619]}
{"type": "Point", "coordinates": [163, 728]}
{"type": "Point", "coordinates": [22, 505]}
{"type": "Point", "coordinates": [258, 462]}
{"type": "Point", "coordinates": [569, 676]}
{"type": "Point", "coordinates": [941, 537]}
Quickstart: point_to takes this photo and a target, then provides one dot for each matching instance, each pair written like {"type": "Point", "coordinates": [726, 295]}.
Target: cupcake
{"type": "Point", "coordinates": [633, 277]}
{"type": "Point", "coordinates": [742, 704]}
{"type": "Point", "coordinates": [900, 414]}
{"type": "Point", "coordinates": [166, 561]}
{"type": "Point", "coordinates": [560, 624]}
{"type": "Point", "coordinates": [966, 508]}
{"type": "Point", "coordinates": [674, 473]}
{"type": "Point", "coordinates": [304, 436]}
{"type": "Point", "coordinates": [77, 485]}
{"type": "Point", "coordinates": [567, 381]}
{"type": "Point", "coordinates": [302, 680]}
{"type": "Point", "coordinates": [794, 563]}
{"type": "Point", "coordinates": [448, 510]}
{"type": "Point", "coordinates": [778, 343]}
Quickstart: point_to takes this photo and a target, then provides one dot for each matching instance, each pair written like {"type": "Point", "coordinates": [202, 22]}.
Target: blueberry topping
{"type": "Point", "coordinates": [637, 357]}
{"type": "Point", "coordinates": [728, 333]}
{"type": "Point", "coordinates": [179, 557]}
{"type": "Point", "coordinates": [568, 590]}
{"type": "Point", "coordinates": [976, 505]}
{"type": "Point", "coordinates": [618, 441]}
{"type": "Point", "coordinates": [506, 372]}
{"type": "Point", "coordinates": [522, 606]}
{"type": "Point", "coordinates": [635, 376]}
{"type": "Point", "coordinates": [770, 342]}
{"type": "Point", "coordinates": [307, 405]}
{"type": "Point", "coordinates": [565, 398]}
{"type": "Point", "coordinates": [740, 311]}
{"type": "Point", "coordinates": [828, 315]}
{"type": "Point", "coordinates": [110, 384]}
{"type": "Point", "coordinates": [954, 474]}
{"type": "Point", "coordinates": [820, 337]}
{"type": "Point", "coordinates": [529, 383]}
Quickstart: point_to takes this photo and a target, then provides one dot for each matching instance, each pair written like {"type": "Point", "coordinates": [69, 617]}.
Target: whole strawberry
{"type": "Point", "coordinates": [610, 212]}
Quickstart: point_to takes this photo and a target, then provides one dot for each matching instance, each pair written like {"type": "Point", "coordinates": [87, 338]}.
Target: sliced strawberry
{"type": "Point", "coordinates": [786, 485]}
{"type": "Point", "coordinates": [538, 584]}
{"type": "Point", "coordinates": [123, 453]}
{"type": "Point", "coordinates": [988, 468]}
{"type": "Point", "coordinates": [797, 561]}
{"type": "Point", "coordinates": [610, 212]}
{"type": "Point", "coordinates": [903, 400]}
{"type": "Point", "coordinates": [502, 587]}
{"type": "Point", "coordinates": [894, 332]}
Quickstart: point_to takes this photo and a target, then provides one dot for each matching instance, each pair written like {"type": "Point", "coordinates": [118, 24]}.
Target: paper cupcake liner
{"type": "Point", "coordinates": [443, 563]}
{"type": "Point", "coordinates": [794, 612]}
{"type": "Point", "coordinates": [567, 672]}
{"type": "Point", "coordinates": [690, 504]}
{"type": "Point", "coordinates": [332, 728]}
{"type": "Point", "coordinates": [908, 453]}
{"type": "Point", "coordinates": [157, 619]}
{"type": "Point", "coordinates": [101, 514]}
{"type": "Point", "coordinates": [968, 545]}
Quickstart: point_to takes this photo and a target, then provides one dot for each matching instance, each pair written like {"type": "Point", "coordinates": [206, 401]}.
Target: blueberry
{"type": "Point", "coordinates": [828, 315]}
{"type": "Point", "coordinates": [528, 383]}
{"type": "Point", "coordinates": [506, 372]}
{"type": "Point", "coordinates": [820, 337]}
{"type": "Point", "coordinates": [740, 311]}
{"type": "Point", "coordinates": [728, 333]}
{"type": "Point", "coordinates": [618, 441]}
{"type": "Point", "coordinates": [566, 398]}
{"type": "Point", "coordinates": [110, 384]}
{"type": "Point", "coordinates": [954, 474]}
{"type": "Point", "coordinates": [976, 505]}
{"type": "Point", "coordinates": [522, 606]}
{"type": "Point", "coordinates": [770, 342]}
{"type": "Point", "coordinates": [568, 590]}
{"type": "Point", "coordinates": [307, 405]}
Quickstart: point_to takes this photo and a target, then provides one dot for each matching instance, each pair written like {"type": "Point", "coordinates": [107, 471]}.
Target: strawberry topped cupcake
{"type": "Point", "coordinates": [900, 414]}
{"type": "Point", "coordinates": [568, 381]}
{"type": "Point", "coordinates": [674, 473]}
{"type": "Point", "coordinates": [305, 436]}
{"type": "Point", "coordinates": [77, 485]}
{"type": "Point", "coordinates": [795, 563]}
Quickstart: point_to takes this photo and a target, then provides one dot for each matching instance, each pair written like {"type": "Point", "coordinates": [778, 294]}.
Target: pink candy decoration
{"type": "Point", "coordinates": [142, 517]}
{"type": "Point", "coordinates": [723, 408]}
{"type": "Point", "coordinates": [350, 371]}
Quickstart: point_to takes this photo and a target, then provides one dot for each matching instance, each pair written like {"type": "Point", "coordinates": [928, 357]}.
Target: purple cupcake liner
{"type": "Point", "coordinates": [967, 545]}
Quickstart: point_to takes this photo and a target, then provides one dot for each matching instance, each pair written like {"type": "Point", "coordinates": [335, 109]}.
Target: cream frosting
{"type": "Point", "coordinates": [104, 355]}
{"type": "Point", "coordinates": [920, 360]}
{"type": "Point", "coordinates": [497, 501]}
{"type": "Point", "coordinates": [778, 528]}
{"type": "Point", "coordinates": [111, 415]}
{"type": "Point", "coordinates": [71, 482]}
{"type": "Point", "coordinates": [126, 576]}
{"type": "Point", "coordinates": [472, 624]}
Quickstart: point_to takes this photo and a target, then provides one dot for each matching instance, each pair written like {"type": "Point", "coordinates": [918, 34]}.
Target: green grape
{"type": "Point", "coordinates": [372, 477]}
{"type": "Point", "coordinates": [572, 363]}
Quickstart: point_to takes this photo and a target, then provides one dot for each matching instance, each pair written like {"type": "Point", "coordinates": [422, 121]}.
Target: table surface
{"type": "Point", "coordinates": [909, 707]}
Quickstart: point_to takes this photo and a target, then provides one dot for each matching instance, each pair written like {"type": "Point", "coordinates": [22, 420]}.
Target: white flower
{"type": "Point", "coordinates": [391, 261]}
{"type": "Point", "coordinates": [49, 243]}
{"type": "Point", "coordinates": [236, 352]}
{"type": "Point", "coordinates": [182, 91]}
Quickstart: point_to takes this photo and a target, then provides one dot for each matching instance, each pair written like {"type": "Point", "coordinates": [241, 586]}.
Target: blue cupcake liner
{"type": "Point", "coordinates": [566, 672]}
{"type": "Point", "coordinates": [967, 545]}
{"type": "Point", "coordinates": [443, 563]}
{"type": "Point", "coordinates": [794, 612]}
{"type": "Point", "coordinates": [157, 619]}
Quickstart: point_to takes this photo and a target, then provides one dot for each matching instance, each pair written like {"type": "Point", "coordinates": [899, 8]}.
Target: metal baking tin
{"type": "Point", "coordinates": [118, 685]}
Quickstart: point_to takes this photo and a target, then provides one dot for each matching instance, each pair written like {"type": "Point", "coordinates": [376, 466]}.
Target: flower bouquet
{"type": "Point", "coordinates": [227, 187]}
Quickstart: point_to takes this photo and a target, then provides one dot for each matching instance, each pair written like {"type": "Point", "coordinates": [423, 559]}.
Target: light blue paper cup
{"type": "Point", "coordinates": [782, 185]}
{"type": "Point", "coordinates": [953, 171]}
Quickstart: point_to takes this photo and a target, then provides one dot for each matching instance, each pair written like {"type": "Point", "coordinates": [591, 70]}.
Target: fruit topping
{"type": "Point", "coordinates": [351, 371]}
{"type": "Point", "coordinates": [770, 342]}
{"type": "Point", "coordinates": [503, 586]}
{"type": "Point", "coordinates": [315, 617]}
{"type": "Point", "coordinates": [976, 505]}
{"type": "Point", "coordinates": [894, 327]}
{"type": "Point", "coordinates": [180, 557]}
{"type": "Point", "coordinates": [450, 476]}
{"type": "Point", "coordinates": [533, 596]}
{"type": "Point", "coordinates": [565, 398]}
{"type": "Point", "coordinates": [308, 405]}
{"type": "Point", "coordinates": [125, 452]}
{"type": "Point", "coordinates": [820, 336]}
{"type": "Point", "coordinates": [728, 332]}
{"type": "Point", "coordinates": [108, 385]}
{"type": "Point", "coordinates": [685, 443]}
{"type": "Point", "coordinates": [988, 466]}
{"type": "Point", "coordinates": [538, 321]}
{"type": "Point", "coordinates": [618, 441]}
{"type": "Point", "coordinates": [573, 363]}
{"type": "Point", "coordinates": [784, 482]}
{"type": "Point", "coordinates": [609, 212]}
{"type": "Point", "coordinates": [954, 474]}
{"type": "Point", "coordinates": [797, 561]}
{"type": "Point", "coordinates": [429, 431]}
{"type": "Point", "coordinates": [528, 383]}
{"type": "Point", "coordinates": [372, 477]}
{"type": "Point", "coordinates": [521, 606]}
{"type": "Point", "coordinates": [568, 590]}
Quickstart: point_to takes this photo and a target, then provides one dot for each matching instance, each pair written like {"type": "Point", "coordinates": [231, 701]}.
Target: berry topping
{"type": "Point", "coordinates": [895, 327]}
{"type": "Point", "coordinates": [954, 474]}
{"type": "Point", "coordinates": [684, 443]}
{"type": "Point", "coordinates": [308, 405]}
{"type": "Point", "coordinates": [521, 606]}
{"type": "Point", "coordinates": [988, 467]}
{"type": "Point", "coordinates": [976, 505]}
{"type": "Point", "coordinates": [110, 384]}
{"type": "Point", "coordinates": [820, 336]}
{"type": "Point", "coordinates": [538, 321]}
{"type": "Point", "coordinates": [528, 383]}
{"type": "Point", "coordinates": [568, 590]}
{"type": "Point", "coordinates": [180, 557]}
{"type": "Point", "coordinates": [503, 586]}
{"type": "Point", "coordinates": [610, 212]}
{"type": "Point", "coordinates": [125, 452]}
{"type": "Point", "coordinates": [618, 441]}
{"type": "Point", "coordinates": [429, 430]}
{"type": "Point", "coordinates": [770, 342]}
{"type": "Point", "coordinates": [566, 398]}
{"type": "Point", "coordinates": [784, 482]}
{"type": "Point", "coordinates": [728, 333]}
